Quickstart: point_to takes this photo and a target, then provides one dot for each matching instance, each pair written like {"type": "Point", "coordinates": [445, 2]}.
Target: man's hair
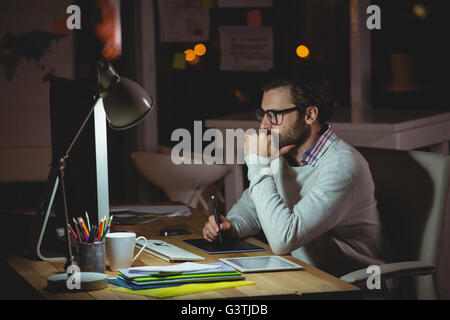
{"type": "Point", "coordinates": [309, 87]}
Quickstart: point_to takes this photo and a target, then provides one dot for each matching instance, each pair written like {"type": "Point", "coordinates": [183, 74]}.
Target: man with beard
{"type": "Point", "coordinates": [319, 204]}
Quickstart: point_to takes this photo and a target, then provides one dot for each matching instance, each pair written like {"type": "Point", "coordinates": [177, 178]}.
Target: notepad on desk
{"type": "Point", "coordinates": [177, 268]}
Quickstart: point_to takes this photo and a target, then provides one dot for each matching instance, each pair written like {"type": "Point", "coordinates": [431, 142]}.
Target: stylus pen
{"type": "Point", "coordinates": [216, 215]}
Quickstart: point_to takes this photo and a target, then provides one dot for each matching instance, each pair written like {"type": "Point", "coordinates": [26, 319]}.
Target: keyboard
{"type": "Point", "coordinates": [167, 251]}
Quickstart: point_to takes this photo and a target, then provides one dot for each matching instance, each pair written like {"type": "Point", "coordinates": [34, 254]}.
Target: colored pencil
{"type": "Point", "coordinates": [100, 230]}
{"type": "Point", "coordinates": [84, 233]}
{"type": "Point", "coordinates": [76, 227]}
{"type": "Point", "coordinates": [104, 225]}
{"type": "Point", "coordinates": [73, 232]}
{"type": "Point", "coordinates": [84, 225]}
{"type": "Point", "coordinates": [110, 220]}
{"type": "Point", "coordinates": [104, 234]}
{"type": "Point", "coordinates": [95, 234]}
{"type": "Point", "coordinates": [107, 228]}
{"type": "Point", "coordinates": [91, 236]}
{"type": "Point", "coordinates": [87, 221]}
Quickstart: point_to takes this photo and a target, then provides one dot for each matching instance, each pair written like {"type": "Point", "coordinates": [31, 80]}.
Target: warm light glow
{"type": "Point", "coordinates": [195, 61]}
{"type": "Point", "coordinates": [109, 30]}
{"type": "Point", "coordinates": [240, 96]}
{"type": "Point", "coordinates": [420, 11]}
{"type": "Point", "coordinates": [200, 49]}
{"type": "Point", "coordinates": [302, 51]}
{"type": "Point", "coordinates": [190, 55]}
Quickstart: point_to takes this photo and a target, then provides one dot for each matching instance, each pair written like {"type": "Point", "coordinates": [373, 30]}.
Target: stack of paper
{"type": "Point", "coordinates": [140, 278]}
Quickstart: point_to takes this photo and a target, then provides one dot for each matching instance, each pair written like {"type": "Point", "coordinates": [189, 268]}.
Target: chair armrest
{"type": "Point", "coordinates": [392, 270]}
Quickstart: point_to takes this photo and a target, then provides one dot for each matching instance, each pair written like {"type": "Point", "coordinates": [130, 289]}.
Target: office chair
{"type": "Point", "coordinates": [412, 192]}
{"type": "Point", "coordinates": [182, 182]}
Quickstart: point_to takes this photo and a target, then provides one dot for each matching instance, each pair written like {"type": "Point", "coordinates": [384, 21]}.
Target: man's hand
{"type": "Point", "coordinates": [211, 230]}
{"type": "Point", "coordinates": [265, 145]}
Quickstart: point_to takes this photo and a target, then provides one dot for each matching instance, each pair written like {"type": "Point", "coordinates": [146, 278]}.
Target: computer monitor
{"type": "Point", "coordinates": [86, 173]}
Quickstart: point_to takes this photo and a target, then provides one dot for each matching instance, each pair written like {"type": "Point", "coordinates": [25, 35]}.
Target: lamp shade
{"type": "Point", "coordinates": [126, 104]}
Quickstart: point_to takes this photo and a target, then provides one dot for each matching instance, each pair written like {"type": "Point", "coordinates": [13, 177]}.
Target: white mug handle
{"type": "Point", "coordinates": [143, 247]}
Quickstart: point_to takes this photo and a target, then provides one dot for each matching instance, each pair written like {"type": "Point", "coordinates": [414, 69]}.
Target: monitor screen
{"type": "Point", "coordinates": [70, 103]}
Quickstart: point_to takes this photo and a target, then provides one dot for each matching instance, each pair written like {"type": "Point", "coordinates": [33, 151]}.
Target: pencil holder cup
{"type": "Point", "coordinates": [92, 257]}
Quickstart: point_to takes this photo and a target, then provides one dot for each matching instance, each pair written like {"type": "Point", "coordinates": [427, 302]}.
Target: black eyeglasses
{"type": "Point", "coordinates": [275, 117]}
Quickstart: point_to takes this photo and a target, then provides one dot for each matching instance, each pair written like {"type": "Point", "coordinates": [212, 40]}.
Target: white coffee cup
{"type": "Point", "coordinates": [120, 249]}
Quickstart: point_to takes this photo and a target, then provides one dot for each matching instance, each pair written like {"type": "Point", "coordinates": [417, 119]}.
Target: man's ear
{"type": "Point", "coordinates": [311, 114]}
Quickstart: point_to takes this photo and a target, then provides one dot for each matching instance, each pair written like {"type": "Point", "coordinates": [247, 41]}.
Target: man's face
{"type": "Point", "coordinates": [293, 128]}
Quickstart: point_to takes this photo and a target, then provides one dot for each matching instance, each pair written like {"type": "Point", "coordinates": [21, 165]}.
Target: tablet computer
{"type": "Point", "coordinates": [261, 264]}
{"type": "Point", "coordinates": [233, 246]}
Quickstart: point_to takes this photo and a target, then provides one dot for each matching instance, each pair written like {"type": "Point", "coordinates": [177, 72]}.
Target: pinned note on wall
{"type": "Point", "coordinates": [179, 61]}
{"type": "Point", "coordinates": [60, 17]}
{"type": "Point", "coordinates": [183, 21]}
{"type": "Point", "coordinates": [208, 3]}
{"type": "Point", "coordinates": [254, 18]}
{"type": "Point", "coordinates": [60, 27]}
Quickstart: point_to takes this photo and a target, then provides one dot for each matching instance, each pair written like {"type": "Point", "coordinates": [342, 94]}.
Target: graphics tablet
{"type": "Point", "coordinates": [226, 247]}
{"type": "Point", "coordinates": [261, 264]}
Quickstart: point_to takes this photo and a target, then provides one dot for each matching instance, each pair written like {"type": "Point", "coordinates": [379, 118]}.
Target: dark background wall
{"type": "Point", "coordinates": [203, 91]}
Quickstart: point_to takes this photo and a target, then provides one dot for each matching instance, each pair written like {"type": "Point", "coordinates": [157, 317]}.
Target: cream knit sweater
{"type": "Point", "coordinates": [324, 215]}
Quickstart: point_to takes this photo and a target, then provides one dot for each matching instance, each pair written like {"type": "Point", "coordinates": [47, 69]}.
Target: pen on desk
{"type": "Point", "coordinates": [216, 215]}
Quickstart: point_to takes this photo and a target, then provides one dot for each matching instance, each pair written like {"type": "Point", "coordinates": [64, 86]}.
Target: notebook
{"type": "Point", "coordinates": [141, 272]}
{"type": "Point", "coordinates": [220, 272]}
{"type": "Point", "coordinates": [226, 247]}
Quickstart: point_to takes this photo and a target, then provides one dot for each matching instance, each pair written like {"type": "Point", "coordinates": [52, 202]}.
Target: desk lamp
{"type": "Point", "coordinates": [125, 104]}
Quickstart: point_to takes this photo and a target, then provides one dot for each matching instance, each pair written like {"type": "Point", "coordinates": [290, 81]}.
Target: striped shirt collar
{"type": "Point", "coordinates": [313, 154]}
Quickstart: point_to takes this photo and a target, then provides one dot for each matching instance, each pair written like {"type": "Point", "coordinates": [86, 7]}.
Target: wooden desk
{"type": "Point", "coordinates": [308, 281]}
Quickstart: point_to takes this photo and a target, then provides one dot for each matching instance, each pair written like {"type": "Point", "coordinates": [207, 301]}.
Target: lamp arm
{"type": "Point", "coordinates": [60, 168]}
{"type": "Point", "coordinates": [69, 254]}
{"type": "Point", "coordinates": [66, 155]}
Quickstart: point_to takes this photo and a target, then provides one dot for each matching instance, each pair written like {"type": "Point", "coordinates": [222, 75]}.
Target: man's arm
{"type": "Point", "coordinates": [243, 217]}
{"type": "Point", "coordinates": [316, 213]}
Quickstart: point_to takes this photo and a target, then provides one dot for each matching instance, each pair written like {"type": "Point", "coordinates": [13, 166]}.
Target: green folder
{"type": "Point", "coordinates": [184, 289]}
{"type": "Point", "coordinates": [180, 276]}
{"type": "Point", "coordinates": [225, 273]}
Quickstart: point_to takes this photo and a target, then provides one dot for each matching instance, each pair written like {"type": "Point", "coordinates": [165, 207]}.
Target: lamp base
{"type": "Point", "coordinates": [80, 281]}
